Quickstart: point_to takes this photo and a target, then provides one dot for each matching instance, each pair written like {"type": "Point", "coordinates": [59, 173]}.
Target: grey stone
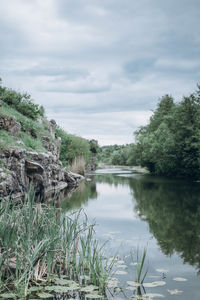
{"type": "Point", "coordinates": [10, 124]}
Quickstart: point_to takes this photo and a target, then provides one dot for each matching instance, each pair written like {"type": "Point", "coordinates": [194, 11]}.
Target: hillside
{"type": "Point", "coordinates": [34, 150]}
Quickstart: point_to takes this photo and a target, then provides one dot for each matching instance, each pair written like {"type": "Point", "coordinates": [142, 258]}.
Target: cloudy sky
{"type": "Point", "coordinates": [99, 66]}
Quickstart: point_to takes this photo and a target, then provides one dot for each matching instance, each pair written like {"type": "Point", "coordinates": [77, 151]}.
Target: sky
{"type": "Point", "coordinates": [99, 67]}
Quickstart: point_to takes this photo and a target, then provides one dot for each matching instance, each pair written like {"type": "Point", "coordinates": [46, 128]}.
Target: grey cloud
{"type": "Point", "coordinates": [100, 56]}
{"type": "Point", "coordinates": [61, 72]}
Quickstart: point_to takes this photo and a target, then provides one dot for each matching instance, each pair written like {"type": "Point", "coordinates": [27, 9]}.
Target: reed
{"type": "Point", "coordinates": [37, 241]}
{"type": "Point", "coordinates": [78, 165]}
{"type": "Point", "coordinates": [141, 273]}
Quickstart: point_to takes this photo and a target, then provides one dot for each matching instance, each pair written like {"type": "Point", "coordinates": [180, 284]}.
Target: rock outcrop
{"type": "Point", "coordinates": [10, 124]}
{"type": "Point", "coordinates": [23, 168]}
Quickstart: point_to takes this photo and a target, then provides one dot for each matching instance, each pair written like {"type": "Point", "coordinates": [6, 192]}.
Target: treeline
{"type": "Point", "coordinates": [170, 144]}
{"type": "Point", "coordinates": [116, 154]}
{"type": "Point", "coordinates": [75, 151]}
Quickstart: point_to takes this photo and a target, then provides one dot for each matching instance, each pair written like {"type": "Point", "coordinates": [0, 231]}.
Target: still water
{"type": "Point", "coordinates": [141, 211]}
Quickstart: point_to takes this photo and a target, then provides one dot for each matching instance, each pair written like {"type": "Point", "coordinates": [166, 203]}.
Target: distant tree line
{"type": "Point", "coordinates": [169, 145]}
{"type": "Point", "coordinates": [116, 154]}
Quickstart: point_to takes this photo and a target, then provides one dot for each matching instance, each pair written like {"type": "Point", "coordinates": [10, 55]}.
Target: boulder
{"type": "Point", "coordinates": [10, 124]}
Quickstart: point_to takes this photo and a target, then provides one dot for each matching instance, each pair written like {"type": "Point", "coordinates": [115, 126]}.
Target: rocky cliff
{"type": "Point", "coordinates": [20, 167]}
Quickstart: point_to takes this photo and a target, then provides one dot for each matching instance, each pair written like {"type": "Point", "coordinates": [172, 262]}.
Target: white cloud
{"type": "Point", "coordinates": [98, 67]}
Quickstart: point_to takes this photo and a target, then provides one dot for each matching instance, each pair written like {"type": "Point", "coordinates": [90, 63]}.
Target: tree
{"type": "Point", "coordinates": [170, 144]}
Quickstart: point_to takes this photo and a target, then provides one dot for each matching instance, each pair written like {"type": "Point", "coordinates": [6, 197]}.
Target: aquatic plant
{"type": "Point", "coordinates": [37, 241]}
{"type": "Point", "coordinates": [141, 273]}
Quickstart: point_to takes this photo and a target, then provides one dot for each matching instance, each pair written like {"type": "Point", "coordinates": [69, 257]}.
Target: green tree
{"type": "Point", "coordinates": [170, 144]}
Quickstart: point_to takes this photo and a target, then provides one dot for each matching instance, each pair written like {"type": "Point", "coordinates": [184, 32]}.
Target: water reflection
{"type": "Point", "coordinates": [171, 209]}
{"type": "Point", "coordinates": [85, 192]}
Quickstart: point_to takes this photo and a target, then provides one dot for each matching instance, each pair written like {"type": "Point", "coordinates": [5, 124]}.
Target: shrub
{"type": "Point", "coordinates": [21, 102]}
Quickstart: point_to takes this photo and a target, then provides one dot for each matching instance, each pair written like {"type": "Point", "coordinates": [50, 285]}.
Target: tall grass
{"type": "Point", "coordinates": [141, 273]}
{"type": "Point", "coordinates": [37, 241]}
{"type": "Point", "coordinates": [78, 165]}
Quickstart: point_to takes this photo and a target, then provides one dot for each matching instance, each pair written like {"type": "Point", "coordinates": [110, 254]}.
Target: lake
{"type": "Point", "coordinates": [136, 211]}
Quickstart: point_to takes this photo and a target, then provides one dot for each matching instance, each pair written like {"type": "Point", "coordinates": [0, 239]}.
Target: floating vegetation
{"type": "Point", "coordinates": [175, 292]}
{"type": "Point", "coordinates": [119, 272]}
{"type": "Point", "coordinates": [112, 282]}
{"type": "Point", "coordinates": [133, 283]}
{"type": "Point", "coordinates": [179, 279]}
{"type": "Point", "coordinates": [44, 295]}
{"type": "Point", "coordinates": [122, 266]}
{"type": "Point", "coordinates": [89, 288]}
{"type": "Point", "coordinates": [162, 270]}
{"type": "Point", "coordinates": [8, 296]}
{"type": "Point", "coordinates": [154, 284]}
{"type": "Point", "coordinates": [120, 262]}
{"type": "Point", "coordinates": [151, 296]}
{"type": "Point", "coordinates": [133, 264]}
{"type": "Point", "coordinates": [93, 296]}
{"type": "Point", "coordinates": [131, 288]}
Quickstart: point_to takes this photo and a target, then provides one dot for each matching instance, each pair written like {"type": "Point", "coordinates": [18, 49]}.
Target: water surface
{"type": "Point", "coordinates": [136, 210]}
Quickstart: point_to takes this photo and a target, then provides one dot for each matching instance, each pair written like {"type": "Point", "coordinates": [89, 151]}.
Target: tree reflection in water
{"type": "Point", "coordinates": [172, 210]}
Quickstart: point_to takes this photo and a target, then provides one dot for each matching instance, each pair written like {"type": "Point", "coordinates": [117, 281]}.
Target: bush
{"type": "Point", "coordinates": [21, 102]}
{"type": "Point", "coordinates": [72, 147]}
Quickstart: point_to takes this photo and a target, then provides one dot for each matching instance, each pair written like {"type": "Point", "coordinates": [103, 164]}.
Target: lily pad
{"type": "Point", "coordinates": [8, 295]}
{"type": "Point", "coordinates": [179, 279]}
{"type": "Point", "coordinates": [162, 270]}
{"type": "Point", "coordinates": [131, 288]}
{"type": "Point", "coordinates": [133, 264]}
{"type": "Point", "coordinates": [112, 282]}
{"type": "Point", "coordinates": [175, 292]}
{"type": "Point", "coordinates": [64, 282]}
{"type": "Point", "coordinates": [121, 272]}
{"type": "Point", "coordinates": [58, 289]}
{"type": "Point", "coordinates": [120, 262]}
{"type": "Point", "coordinates": [85, 277]}
{"type": "Point", "coordinates": [154, 284]}
{"type": "Point", "coordinates": [89, 288]}
{"type": "Point", "coordinates": [151, 296]}
{"type": "Point", "coordinates": [133, 283]}
{"type": "Point", "coordinates": [44, 295]}
{"type": "Point", "coordinates": [93, 296]}
{"type": "Point", "coordinates": [122, 266]}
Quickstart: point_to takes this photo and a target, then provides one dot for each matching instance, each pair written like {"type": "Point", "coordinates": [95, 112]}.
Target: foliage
{"type": "Point", "coordinates": [32, 143]}
{"type": "Point", "coordinates": [170, 144]}
{"type": "Point", "coordinates": [37, 240]}
{"type": "Point", "coordinates": [72, 147]}
{"type": "Point", "coordinates": [21, 102]}
{"type": "Point", "coordinates": [94, 147]}
{"type": "Point", "coordinates": [6, 140]}
{"type": "Point", "coordinates": [74, 151]}
{"type": "Point", "coordinates": [115, 154]}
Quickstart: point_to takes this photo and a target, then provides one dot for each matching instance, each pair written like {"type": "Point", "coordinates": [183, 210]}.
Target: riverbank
{"type": "Point", "coordinates": [44, 252]}
{"type": "Point", "coordinates": [35, 151]}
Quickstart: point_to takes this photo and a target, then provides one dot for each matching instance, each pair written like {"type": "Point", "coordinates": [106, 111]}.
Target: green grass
{"type": "Point", "coordinates": [32, 143]}
{"type": "Point", "coordinates": [27, 124]}
{"type": "Point", "coordinates": [37, 241]}
{"type": "Point", "coordinates": [6, 140]}
{"type": "Point", "coordinates": [31, 131]}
